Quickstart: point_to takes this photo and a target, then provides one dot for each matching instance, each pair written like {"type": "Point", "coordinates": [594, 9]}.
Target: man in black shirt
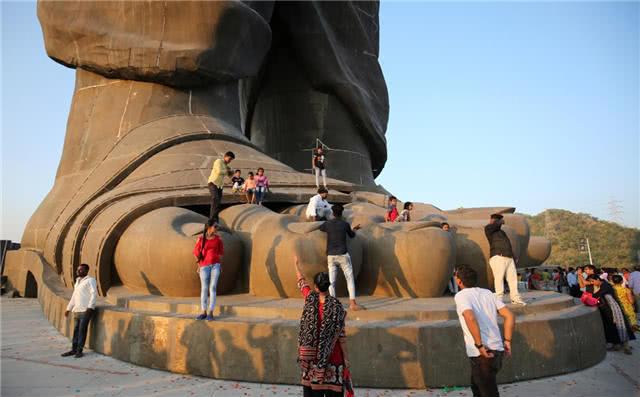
{"type": "Point", "coordinates": [501, 259]}
{"type": "Point", "coordinates": [337, 254]}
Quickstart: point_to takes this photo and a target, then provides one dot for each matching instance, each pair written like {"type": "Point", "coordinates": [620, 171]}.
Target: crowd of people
{"type": "Point", "coordinates": [322, 342]}
{"type": "Point", "coordinates": [323, 354]}
{"type": "Point", "coordinates": [616, 293]}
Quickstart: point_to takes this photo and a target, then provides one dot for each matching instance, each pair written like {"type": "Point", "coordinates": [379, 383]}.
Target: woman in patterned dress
{"type": "Point", "coordinates": [617, 331]}
{"type": "Point", "coordinates": [322, 343]}
{"type": "Point", "coordinates": [625, 299]}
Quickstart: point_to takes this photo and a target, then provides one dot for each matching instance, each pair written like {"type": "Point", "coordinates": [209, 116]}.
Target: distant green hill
{"type": "Point", "coordinates": [612, 245]}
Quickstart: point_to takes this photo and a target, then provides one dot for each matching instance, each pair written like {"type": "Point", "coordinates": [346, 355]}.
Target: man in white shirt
{"type": "Point", "coordinates": [319, 209]}
{"type": "Point", "coordinates": [478, 311]}
{"type": "Point", "coordinates": [82, 304]}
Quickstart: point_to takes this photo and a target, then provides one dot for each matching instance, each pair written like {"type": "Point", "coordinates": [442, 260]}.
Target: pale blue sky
{"type": "Point", "coordinates": [532, 105]}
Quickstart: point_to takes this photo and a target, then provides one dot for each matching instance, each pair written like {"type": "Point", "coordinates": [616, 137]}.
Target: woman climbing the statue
{"type": "Point", "coordinates": [322, 343]}
{"type": "Point", "coordinates": [208, 250]}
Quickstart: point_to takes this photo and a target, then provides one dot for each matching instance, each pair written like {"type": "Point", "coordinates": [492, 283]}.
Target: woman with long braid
{"type": "Point", "coordinates": [322, 343]}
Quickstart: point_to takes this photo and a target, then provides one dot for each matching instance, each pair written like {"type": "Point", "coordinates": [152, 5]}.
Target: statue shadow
{"type": "Point", "coordinates": [382, 269]}
{"type": "Point", "coordinates": [469, 252]}
{"type": "Point", "coordinates": [215, 351]}
{"type": "Point", "coordinates": [272, 269]}
{"type": "Point", "coordinates": [202, 357]}
{"type": "Point", "coordinates": [150, 286]}
{"type": "Point", "coordinates": [385, 358]}
{"type": "Point", "coordinates": [135, 340]}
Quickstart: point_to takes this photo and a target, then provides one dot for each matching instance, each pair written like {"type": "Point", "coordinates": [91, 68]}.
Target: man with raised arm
{"type": "Point", "coordinates": [337, 230]}
{"type": "Point", "coordinates": [502, 260]}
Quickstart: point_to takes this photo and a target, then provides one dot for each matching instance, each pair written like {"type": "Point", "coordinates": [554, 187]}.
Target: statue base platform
{"type": "Point", "coordinates": [396, 343]}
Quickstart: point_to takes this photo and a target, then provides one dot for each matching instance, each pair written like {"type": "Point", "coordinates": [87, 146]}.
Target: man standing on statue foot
{"type": "Point", "coordinates": [216, 183]}
{"type": "Point", "coordinates": [82, 304]}
{"type": "Point", "coordinates": [502, 260]}
{"type": "Point", "coordinates": [337, 254]}
{"type": "Point", "coordinates": [477, 311]}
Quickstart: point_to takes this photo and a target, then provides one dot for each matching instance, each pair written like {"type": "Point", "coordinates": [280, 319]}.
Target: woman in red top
{"type": "Point", "coordinates": [392, 210]}
{"type": "Point", "coordinates": [322, 360]}
{"type": "Point", "coordinates": [209, 257]}
{"type": "Point", "coordinates": [535, 280]}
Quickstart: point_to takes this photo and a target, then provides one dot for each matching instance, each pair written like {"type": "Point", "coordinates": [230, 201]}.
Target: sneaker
{"type": "Point", "coordinates": [210, 317]}
{"type": "Point", "coordinates": [201, 317]}
{"type": "Point", "coordinates": [78, 355]}
{"type": "Point", "coordinates": [519, 302]}
{"type": "Point", "coordinates": [69, 353]}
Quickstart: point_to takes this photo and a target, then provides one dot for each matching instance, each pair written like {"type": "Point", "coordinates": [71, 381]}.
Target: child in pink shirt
{"type": "Point", "coordinates": [262, 185]}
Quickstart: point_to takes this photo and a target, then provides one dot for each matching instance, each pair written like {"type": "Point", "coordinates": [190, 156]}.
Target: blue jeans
{"type": "Point", "coordinates": [208, 282]}
{"type": "Point", "coordinates": [81, 320]}
{"type": "Point", "coordinates": [261, 191]}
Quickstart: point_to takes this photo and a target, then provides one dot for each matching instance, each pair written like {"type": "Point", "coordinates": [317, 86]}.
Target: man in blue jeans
{"type": "Point", "coordinates": [82, 304]}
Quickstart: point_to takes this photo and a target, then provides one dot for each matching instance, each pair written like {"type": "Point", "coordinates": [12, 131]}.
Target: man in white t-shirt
{"type": "Point", "coordinates": [319, 209]}
{"type": "Point", "coordinates": [478, 311]}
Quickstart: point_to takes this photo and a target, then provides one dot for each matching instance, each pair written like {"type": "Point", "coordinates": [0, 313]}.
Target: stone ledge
{"type": "Point", "coordinates": [391, 353]}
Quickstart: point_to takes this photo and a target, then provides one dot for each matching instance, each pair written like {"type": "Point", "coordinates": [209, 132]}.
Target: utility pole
{"type": "Point", "coordinates": [584, 246]}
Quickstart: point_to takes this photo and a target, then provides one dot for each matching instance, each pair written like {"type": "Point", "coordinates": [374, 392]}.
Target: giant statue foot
{"type": "Point", "coordinates": [160, 96]}
{"type": "Point", "coordinates": [131, 195]}
{"type": "Point", "coordinates": [408, 259]}
{"type": "Point", "coordinates": [162, 90]}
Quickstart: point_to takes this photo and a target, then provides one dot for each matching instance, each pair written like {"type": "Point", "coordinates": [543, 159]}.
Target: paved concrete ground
{"type": "Point", "coordinates": [31, 366]}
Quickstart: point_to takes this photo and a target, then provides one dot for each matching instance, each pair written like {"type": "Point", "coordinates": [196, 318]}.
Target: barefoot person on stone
{"type": "Point", "coordinates": [82, 304]}
{"type": "Point", "coordinates": [318, 208]}
{"type": "Point", "coordinates": [249, 188]}
{"type": "Point", "coordinates": [392, 210]}
{"type": "Point", "coordinates": [322, 342]}
{"type": "Point", "coordinates": [216, 183]}
{"type": "Point", "coordinates": [405, 215]}
{"type": "Point", "coordinates": [319, 167]}
{"type": "Point", "coordinates": [209, 250]}
{"type": "Point", "coordinates": [502, 260]}
{"type": "Point", "coordinates": [478, 311]}
{"type": "Point", "coordinates": [262, 185]}
{"type": "Point", "coordinates": [237, 182]}
{"type": "Point", "coordinates": [337, 230]}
